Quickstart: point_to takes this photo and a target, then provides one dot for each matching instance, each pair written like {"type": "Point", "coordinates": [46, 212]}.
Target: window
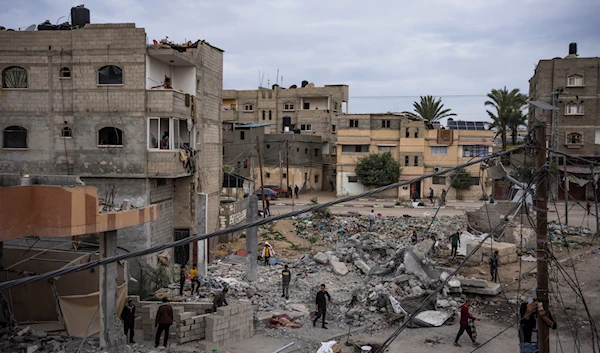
{"type": "Point", "coordinates": [439, 150]}
{"type": "Point", "coordinates": [316, 178]}
{"type": "Point", "coordinates": [317, 152]}
{"type": "Point", "coordinates": [407, 132]}
{"type": "Point", "coordinates": [268, 146]}
{"type": "Point", "coordinates": [306, 176]}
{"type": "Point", "coordinates": [574, 139]}
{"type": "Point", "coordinates": [574, 81]}
{"type": "Point", "coordinates": [333, 150]}
{"type": "Point", "coordinates": [307, 127]}
{"type": "Point", "coordinates": [306, 151]}
{"type": "Point", "coordinates": [475, 151]}
{"type": "Point", "coordinates": [574, 109]}
{"type": "Point", "coordinates": [416, 132]}
{"type": "Point", "coordinates": [270, 115]}
{"type": "Point", "coordinates": [306, 106]}
{"type": "Point", "coordinates": [14, 137]}
{"type": "Point", "coordinates": [352, 179]}
{"type": "Point", "coordinates": [386, 124]}
{"type": "Point", "coordinates": [65, 72]}
{"type": "Point", "coordinates": [439, 180]}
{"type": "Point", "coordinates": [110, 75]}
{"type": "Point", "coordinates": [167, 133]}
{"type": "Point", "coordinates": [263, 114]}
{"type": "Point", "coordinates": [353, 123]}
{"type": "Point", "coordinates": [297, 149]}
{"type": "Point", "coordinates": [242, 135]}
{"type": "Point", "coordinates": [110, 136]}
{"type": "Point", "coordinates": [14, 77]}
{"type": "Point", "coordinates": [384, 149]}
{"type": "Point", "coordinates": [416, 161]}
{"type": "Point", "coordinates": [66, 133]}
{"type": "Point", "coordinates": [248, 107]}
{"type": "Point", "coordinates": [284, 176]}
{"type": "Point", "coordinates": [406, 161]}
{"type": "Point", "coordinates": [474, 180]}
{"type": "Point", "coordinates": [355, 148]}
{"type": "Point", "coordinates": [333, 128]}
{"type": "Point", "coordinates": [288, 106]}
{"type": "Point", "coordinates": [335, 106]}
{"type": "Point", "coordinates": [268, 175]}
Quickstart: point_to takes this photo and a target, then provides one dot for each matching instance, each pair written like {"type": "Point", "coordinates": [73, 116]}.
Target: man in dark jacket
{"type": "Point", "coordinates": [128, 317]}
{"type": "Point", "coordinates": [529, 324]}
{"type": "Point", "coordinates": [181, 279]}
{"type": "Point", "coordinates": [321, 305]}
{"type": "Point", "coordinates": [220, 299]}
{"type": "Point", "coordinates": [164, 320]}
{"type": "Point", "coordinates": [494, 263]}
{"type": "Point", "coordinates": [286, 277]}
{"type": "Point", "coordinates": [465, 316]}
{"type": "Point", "coordinates": [455, 238]}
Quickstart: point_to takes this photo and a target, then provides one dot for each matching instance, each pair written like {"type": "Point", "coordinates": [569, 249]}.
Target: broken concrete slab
{"type": "Point", "coordinates": [491, 289]}
{"type": "Point", "coordinates": [339, 268]}
{"type": "Point", "coordinates": [32, 349]}
{"type": "Point", "coordinates": [362, 266]}
{"type": "Point", "coordinates": [431, 318]}
{"type": "Point", "coordinates": [416, 267]}
{"type": "Point", "coordinates": [321, 258]}
{"type": "Point", "coordinates": [473, 282]}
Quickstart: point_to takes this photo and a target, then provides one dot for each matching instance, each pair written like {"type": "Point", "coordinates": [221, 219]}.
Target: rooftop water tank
{"type": "Point", "coordinates": [47, 26]}
{"type": "Point", "coordinates": [304, 83]}
{"type": "Point", "coordinates": [80, 16]}
{"type": "Point", "coordinates": [573, 49]}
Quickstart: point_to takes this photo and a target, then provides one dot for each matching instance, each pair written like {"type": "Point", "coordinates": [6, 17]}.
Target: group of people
{"type": "Point", "coordinates": [193, 274]}
{"type": "Point", "coordinates": [415, 196]}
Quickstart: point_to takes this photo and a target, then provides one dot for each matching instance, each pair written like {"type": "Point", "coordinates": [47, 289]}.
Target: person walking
{"type": "Point", "coordinates": [465, 316]}
{"type": "Point", "coordinates": [443, 198]}
{"type": "Point", "coordinates": [290, 195]}
{"type": "Point", "coordinates": [164, 320]}
{"type": "Point", "coordinates": [128, 317]}
{"type": "Point", "coordinates": [286, 278]}
{"type": "Point", "coordinates": [219, 300]}
{"type": "Point", "coordinates": [321, 305]}
{"type": "Point", "coordinates": [430, 195]}
{"type": "Point", "coordinates": [181, 279]}
{"type": "Point", "coordinates": [455, 239]}
{"type": "Point", "coordinates": [267, 207]}
{"type": "Point", "coordinates": [267, 252]}
{"type": "Point", "coordinates": [332, 185]}
{"type": "Point", "coordinates": [372, 218]}
{"type": "Point", "coordinates": [494, 263]}
{"type": "Point", "coordinates": [414, 239]}
{"type": "Point", "coordinates": [530, 311]}
{"type": "Point", "coordinates": [296, 190]}
{"type": "Point", "coordinates": [194, 277]}
{"type": "Point", "coordinates": [588, 208]}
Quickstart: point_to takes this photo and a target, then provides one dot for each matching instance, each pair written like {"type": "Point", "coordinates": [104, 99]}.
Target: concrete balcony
{"type": "Point", "coordinates": [229, 115]}
{"type": "Point", "coordinates": [166, 164]}
{"type": "Point", "coordinates": [167, 102]}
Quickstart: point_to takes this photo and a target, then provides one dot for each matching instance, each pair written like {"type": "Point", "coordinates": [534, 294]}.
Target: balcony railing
{"type": "Point", "coordinates": [174, 103]}
{"type": "Point", "coordinates": [165, 163]}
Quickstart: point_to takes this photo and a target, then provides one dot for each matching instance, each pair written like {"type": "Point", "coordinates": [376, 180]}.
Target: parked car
{"type": "Point", "coordinates": [280, 192]}
{"type": "Point", "coordinates": [270, 194]}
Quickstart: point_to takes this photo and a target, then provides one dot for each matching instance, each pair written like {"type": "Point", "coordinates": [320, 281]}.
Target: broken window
{"type": "Point", "coordinates": [288, 106]}
{"type": "Point", "coordinates": [416, 132]}
{"type": "Point", "coordinates": [66, 132]}
{"type": "Point", "coordinates": [407, 132]}
{"type": "Point", "coordinates": [268, 175]}
{"type": "Point", "coordinates": [14, 77]}
{"type": "Point", "coordinates": [65, 72]}
{"type": "Point", "coordinates": [110, 136]}
{"type": "Point", "coordinates": [110, 75]}
{"type": "Point", "coordinates": [574, 138]}
{"type": "Point", "coordinates": [14, 137]}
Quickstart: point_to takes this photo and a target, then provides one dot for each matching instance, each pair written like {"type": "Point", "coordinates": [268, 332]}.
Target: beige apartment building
{"type": "Point", "coordinates": [419, 151]}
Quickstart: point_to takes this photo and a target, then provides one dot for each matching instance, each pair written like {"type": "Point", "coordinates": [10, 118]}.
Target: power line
{"type": "Point", "coordinates": [440, 96]}
{"type": "Point", "coordinates": [159, 248]}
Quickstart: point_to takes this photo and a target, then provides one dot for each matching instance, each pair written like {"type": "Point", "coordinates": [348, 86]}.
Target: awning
{"type": "Point", "coordinates": [576, 169]}
{"type": "Point", "coordinates": [387, 145]}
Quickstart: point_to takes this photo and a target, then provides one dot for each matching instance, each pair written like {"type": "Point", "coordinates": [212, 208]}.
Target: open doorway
{"type": "Point", "coordinates": [415, 190]}
{"type": "Point", "coordinates": [182, 253]}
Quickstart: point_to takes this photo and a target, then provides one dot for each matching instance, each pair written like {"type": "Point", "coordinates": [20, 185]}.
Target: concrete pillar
{"type": "Point", "coordinates": [252, 239]}
{"type": "Point", "coordinates": [111, 334]}
{"type": "Point", "coordinates": [201, 228]}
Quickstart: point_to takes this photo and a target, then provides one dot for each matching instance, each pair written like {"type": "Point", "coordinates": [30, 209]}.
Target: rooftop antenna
{"type": "Point", "coordinates": [262, 79]}
{"type": "Point", "coordinates": [282, 80]}
{"type": "Point", "coordinates": [277, 80]}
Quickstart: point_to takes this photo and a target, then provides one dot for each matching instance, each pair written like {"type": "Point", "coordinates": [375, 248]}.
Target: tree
{"type": "Point", "coordinates": [377, 170]}
{"type": "Point", "coordinates": [461, 180]}
{"type": "Point", "coordinates": [431, 109]}
{"type": "Point", "coordinates": [508, 111]}
{"type": "Point", "coordinates": [516, 119]}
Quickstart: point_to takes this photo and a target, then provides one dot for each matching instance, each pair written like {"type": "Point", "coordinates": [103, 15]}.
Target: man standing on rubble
{"type": "Point", "coordinates": [286, 278]}
{"type": "Point", "coordinates": [431, 195]}
{"type": "Point", "coordinates": [267, 253]}
{"type": "Point", "coordinates": [494, 263]}
{"type": "Point", "coordinates": [128, 317]}
{"type": "Point", "coordinates": [321, 305]}
{"type": "Point", "coordinates": [455, 238]}
{"type": "Point", "coordinates": [372, 218]}
{"type": "Point", "coordinates": [465, 316]}
{"type": "Point", "coordinates": [220, 299]}
{"type": "Point", "coordinates": [181, 279]}
{"type": "Point", "coordinates": [164, 320]}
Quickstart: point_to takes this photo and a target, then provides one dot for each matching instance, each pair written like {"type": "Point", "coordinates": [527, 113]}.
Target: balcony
{"type": "Point", "coordinates": [169, 102]}
{"type": "Point", "coordinates": [166, 164]}
{"type": "Point", "coordinates": [229, 115]}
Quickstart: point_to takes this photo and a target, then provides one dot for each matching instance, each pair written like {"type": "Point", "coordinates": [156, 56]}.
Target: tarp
{"type": "Point", "coordinates": [78, 311]}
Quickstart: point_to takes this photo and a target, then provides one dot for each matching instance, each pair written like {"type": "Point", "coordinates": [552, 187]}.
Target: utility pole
{"type": "Point", "coordinates": [280, 171]}
{"type": "Point", "coordinates": [252, 240]}
{"type": "Point", "coordinates": [566, 187]}
{"type": "Point", "coordinates": [262, 185]}
{"type": "Point", "coordinates": [541, 203]}
{"type": "Point", "coordinates": [287, 171]}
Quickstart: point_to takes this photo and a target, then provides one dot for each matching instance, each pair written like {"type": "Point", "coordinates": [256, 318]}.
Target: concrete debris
{"type": "Point", "coordinates": [431, 318]}
{"type": "Point", "coordinates": [339, 268]}
{"type": "Point", "coordinates": [321, 258]}
{"type": "Point", "coordinates": [489, 289]}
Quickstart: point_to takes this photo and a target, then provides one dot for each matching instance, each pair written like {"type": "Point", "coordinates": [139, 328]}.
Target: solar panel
{"type": "Point", "coordinates": [466, 125]}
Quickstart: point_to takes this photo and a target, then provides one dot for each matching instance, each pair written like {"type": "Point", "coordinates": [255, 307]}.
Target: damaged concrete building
{"type": "Point", "coordinates": [304, 110]}
{"type": "Point", "coordinates": [140, 122]}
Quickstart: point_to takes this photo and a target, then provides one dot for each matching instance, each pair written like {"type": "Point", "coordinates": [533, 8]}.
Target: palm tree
{"type": "Point", "coordinates": [508, 111]}
{"type": "Point", "coordinates": [431, 109]}
{"type": "Point", "coordinates": [516, 119]}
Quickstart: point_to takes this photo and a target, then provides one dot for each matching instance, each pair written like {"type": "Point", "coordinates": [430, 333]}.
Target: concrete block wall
{"type": "Point", "coordinates": [231, 323]}
{"type": "Point", "coordinates": [165, 163]}
{"type": "Point", "coordinates": [506, 251]}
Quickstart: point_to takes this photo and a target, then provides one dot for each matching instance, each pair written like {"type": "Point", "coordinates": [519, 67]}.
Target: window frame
{"type": "Point", "coordinates": [316, 178]}
{"type": "Point", "coordinates": [575, 77]}
{"type": "Point", "coordinates": [415, 161]}
{"type": "Point", "coordinates": [568, 138]}
{"type": "Point", "coordinates": [174, 137]}
{"type": "Point", "coordinates": [475, 148]}
{"type": "Point", "coordinates": [248, 107]}
{"type": "Point", "coordinates": [110, 84]}
{"type": "Point", "coordinates": [2, 79]}
{"type": "Point", "coordinates": [110, 145]}
{"type": "Point", "coordinates": [65, 129]}
{"type": "Point", "coordinates": [61, 71]}
{"type": "Point", "coordinates": [15, 129]}
{"type": "Point", "coordinates": [386, 124]}
{"type": "Point", "coordinates": [316, 151]}
{"type": "Point", "coordinates": [568, 107]}
{"type": "Point", "coordinates": [437, 180]}
{"type": "Point", "coordinates": [288, 106]}
{"type": "Point", "coordinates": [352, 178]}
{"type": "Point", "coordinates": [305, 127]}
{"type": "Point", "coordinates": [475, 178]}
{"type": "Point", "coordinates": [406, 161]}
{"type": "Point", "coordinates": [353, 123]}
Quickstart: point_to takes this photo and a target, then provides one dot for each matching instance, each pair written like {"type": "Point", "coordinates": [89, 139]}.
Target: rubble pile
{"type": "Point", "coordinates": [31, 341]}
{"type": "Point", "coordinates": [558, 231]}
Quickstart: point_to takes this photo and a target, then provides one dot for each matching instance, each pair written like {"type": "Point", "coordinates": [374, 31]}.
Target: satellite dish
{"type": "Point", "coordinates": [30, 28]}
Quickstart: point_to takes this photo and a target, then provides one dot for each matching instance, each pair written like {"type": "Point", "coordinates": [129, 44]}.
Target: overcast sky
{"type": "Point", "coordinates": [381, 48]}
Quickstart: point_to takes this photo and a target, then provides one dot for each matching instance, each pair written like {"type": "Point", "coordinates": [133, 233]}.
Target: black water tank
{"type": "Point", "coordinates": [275, 85]}
{"type": "Point", "coordinates": [47, 26]}
{"type": "Point", "coordinates": [573, 49]}
{"type": "Point", "coordinates": [80, 16]}
{"type": "Point", "coordinates": [304, 83]}
{"type": "Point", "coordinates": [287, 121]}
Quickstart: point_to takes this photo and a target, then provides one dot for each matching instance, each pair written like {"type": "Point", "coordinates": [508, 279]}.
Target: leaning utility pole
{"type": "Point", "coordinates": [287, 171]}
{"type": "Point", "coordinates": [541, 203]}
{"type": "Point", "coordinates": [566, 191]}
{"type": "Point", "coordinates": [262, 185]}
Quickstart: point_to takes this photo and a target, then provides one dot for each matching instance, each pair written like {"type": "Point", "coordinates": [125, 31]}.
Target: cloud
{"type": "Point", "coordinates": [380, 48]}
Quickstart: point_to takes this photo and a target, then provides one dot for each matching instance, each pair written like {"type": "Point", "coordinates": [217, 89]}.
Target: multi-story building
{"type": "Point", "coordinates": [418, 149]}
{"type": "Point", "coordinates": [571, 84]}
{"type": "Point", "coordinates": [307, 109]}
{"type": "Point", "coordinates": [303, 157]}
{"type": "Point", "coordinates": [129, 118]}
